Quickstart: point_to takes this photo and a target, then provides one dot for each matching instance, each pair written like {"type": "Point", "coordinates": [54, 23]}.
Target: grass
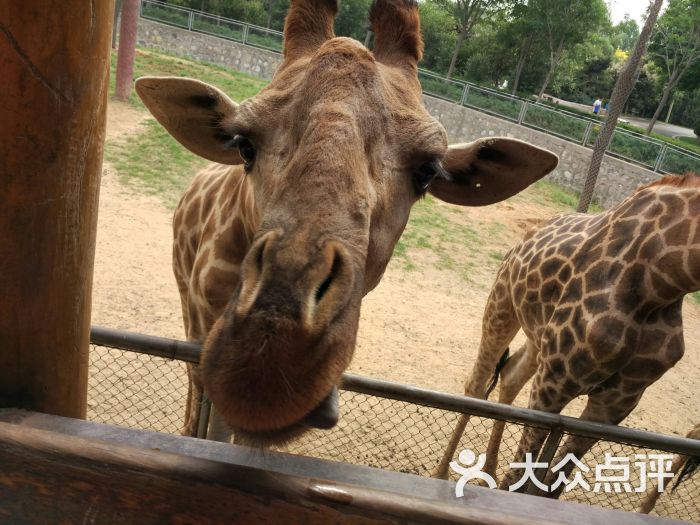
{"type": "Point", "coordinates": [152, 160]}
{"type": "Point", "coordinates": [690, 143]}
{"type": "Point", "coordinates": [551, 195]}
{"type": "Point", "coordinates": [695, 297]}
{"type": "Point", "coordinates": [238, 86]}
{"type": "Point", "coordinates": [435, 229]}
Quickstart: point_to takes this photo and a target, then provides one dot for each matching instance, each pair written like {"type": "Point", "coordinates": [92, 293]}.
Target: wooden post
{"type": "Point", "coordinates": [54, 58]}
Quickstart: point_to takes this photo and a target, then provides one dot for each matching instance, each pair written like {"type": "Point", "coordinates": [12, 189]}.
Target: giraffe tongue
{"type": "Point", "coordinates": [325, 415]}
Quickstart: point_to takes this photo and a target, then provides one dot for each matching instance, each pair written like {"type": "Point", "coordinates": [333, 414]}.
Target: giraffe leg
{"type": "Point", "coordinates": [649, 502]}
{"type": "Point", "coordinates": [193, 404]}
{"type": "Point", "coordinates": [607, 407]}
{"type": "Point", "coordinates": [500, 325]}
{"type": "Point", "coordinates": [679, 461]}
{"type": "Point", "coordinates": [517, 371]}
{"type": "Point", "coordinates": [547, 394]}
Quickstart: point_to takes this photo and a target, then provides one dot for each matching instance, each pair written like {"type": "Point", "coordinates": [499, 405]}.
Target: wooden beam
{"type": "Point", "coordinates": [58, 470]}
{"type": "Point", "coordinates": [54, 58]}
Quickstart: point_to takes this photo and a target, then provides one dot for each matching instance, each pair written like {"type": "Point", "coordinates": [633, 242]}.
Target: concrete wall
{"type": "Point", "coordinates": [617, 178]}
{"type": "Point", "coordinates": [251, 60]}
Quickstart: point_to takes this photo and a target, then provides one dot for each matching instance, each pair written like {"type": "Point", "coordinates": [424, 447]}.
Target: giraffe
{"type": "Point", "coordinates": [276, 244]}
{"type": "Point", "coordinates": [599, 298]}
{"type": "Point", "coordinates": [685, 464]}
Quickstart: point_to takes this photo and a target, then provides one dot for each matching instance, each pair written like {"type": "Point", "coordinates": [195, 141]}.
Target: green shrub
{"type": "Point", "coordinates": [493, 103]}
{"type": "Point", "coordinates": [555, 122]}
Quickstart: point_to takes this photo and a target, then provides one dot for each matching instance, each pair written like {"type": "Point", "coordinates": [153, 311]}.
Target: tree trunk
{"type": "Point", "coordinates": [522, 59]}
{"type": "Point", "coordinates": [127, 49]}
{"type": "Point", "coordinates": [55, 71]}
{"type": "Point", "coordinates": [460, 38]}
{"type": "Point", "coordinates": [621, 92]}
{"type": "Point", "coordinates": [547, 78]}
{"type": "Point", "coordinates": [555, 58]}
{"type": "Point", "coordinates": [664, 98]}
{"type": "Point", "coordinates": [670, 110]}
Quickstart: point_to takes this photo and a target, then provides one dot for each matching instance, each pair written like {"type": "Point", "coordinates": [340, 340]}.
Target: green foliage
{"type": "Point", "coordinates": [439, 40]}
{"type": "Point", "coordinates": [625, 34]}
{"type": "Point", "coordinates": [352, 19]}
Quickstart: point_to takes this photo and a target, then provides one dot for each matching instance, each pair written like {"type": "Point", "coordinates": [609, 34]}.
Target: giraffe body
{"type": "Point", "coordinates": [599, 298]}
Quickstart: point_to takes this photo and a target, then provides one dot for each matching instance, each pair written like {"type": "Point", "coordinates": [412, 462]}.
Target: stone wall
{"type": "Point", "coordinates": [617, 178]}
{"type": "Point", "coordinates": [251, 60]}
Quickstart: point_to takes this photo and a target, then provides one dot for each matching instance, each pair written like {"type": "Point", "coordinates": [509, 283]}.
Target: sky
{"type": "Point", "coordinates": [635, 8]}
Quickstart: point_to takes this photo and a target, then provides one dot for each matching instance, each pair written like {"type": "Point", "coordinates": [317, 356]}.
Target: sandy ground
{"type": "Point", "coordinates": [419, 327]}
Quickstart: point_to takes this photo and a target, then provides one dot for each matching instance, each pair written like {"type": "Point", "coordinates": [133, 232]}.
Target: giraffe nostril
{"type": "Point", "coordinates": [325, 285]}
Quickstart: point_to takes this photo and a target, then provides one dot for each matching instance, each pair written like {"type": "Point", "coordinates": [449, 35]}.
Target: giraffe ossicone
{"type": "Point", "coordinates": [275, 246]}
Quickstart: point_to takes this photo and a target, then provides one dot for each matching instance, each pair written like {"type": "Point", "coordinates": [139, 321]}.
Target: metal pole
{"type": "Point", "coordinates": [660, 158]}
{"type": "Point", "coordinates": [245, 34]}
{"type": "Point", "coordinates": [190, 20]}
{"type": "Point", "coordinates": [203, 423]}
{"type": "Point", "coordinates": [523, 112]}
{"type": "Point", "coordinates": [550, 448]}
{"type": "Point", "coordinates": [587, 133]}
{"type": "Point", "coordinates": [465, 93]}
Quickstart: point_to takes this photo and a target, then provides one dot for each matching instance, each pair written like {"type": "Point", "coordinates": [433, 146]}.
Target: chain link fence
{"type": "Point", "coordinates": [148, 392]}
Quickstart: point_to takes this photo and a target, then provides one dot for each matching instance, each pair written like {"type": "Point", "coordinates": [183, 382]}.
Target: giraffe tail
{"type": "Point", "coordinates": [501, 363]}
{"type": "Point", "coordinates": [691, 466]}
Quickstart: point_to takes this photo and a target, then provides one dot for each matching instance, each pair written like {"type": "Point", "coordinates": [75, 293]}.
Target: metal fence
{"type": "Point", "coordinates": [201, 22]}
{"type": "Point", "coordinates": [634, 147]}
{"type": "Point", "coordinates": [140, 382]}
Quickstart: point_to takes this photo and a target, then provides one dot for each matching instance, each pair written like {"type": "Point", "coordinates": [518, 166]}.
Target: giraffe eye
{"type": "Point", "coordinates": [245, 149]}
{"type": "Point", "coordinates": [425, 175]}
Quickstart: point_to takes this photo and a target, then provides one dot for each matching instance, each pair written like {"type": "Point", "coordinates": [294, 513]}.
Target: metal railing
{"type": "Point", "coordinates": [651, 153]}
{"type": "Point", "coordinates": [219, 26]}
{"type": "Point", "coordinates": [140, 381]}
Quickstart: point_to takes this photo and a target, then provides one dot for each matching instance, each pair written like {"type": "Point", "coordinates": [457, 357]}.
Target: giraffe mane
{"type": "Point", "coordinates": [689, 180]}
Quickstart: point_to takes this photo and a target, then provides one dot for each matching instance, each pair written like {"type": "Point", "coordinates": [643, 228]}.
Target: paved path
{"type": "Point", "coordinates": [670, 130]}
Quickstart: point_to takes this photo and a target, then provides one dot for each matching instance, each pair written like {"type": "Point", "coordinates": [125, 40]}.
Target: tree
{"type": "Point", "coordinates": [127, 49]}
{"type": "Point", "coordinates": [675, 46]}
{"type": "Point", "coordinates": [434, 18]}
{"type": "Point", "coordinates": [352, 19]}
{"type": "Point", "coordinates": [626, 34]}
{"type": "Point", "coordinates": [466, 14]}
{"type": "Point", "coordinates": [621, 91]}
{"type": "Point", "coordinates": [564, 23]}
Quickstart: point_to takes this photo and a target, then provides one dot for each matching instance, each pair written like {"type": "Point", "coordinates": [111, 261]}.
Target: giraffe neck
{"type": "Point", "coordinates": [661, 228]}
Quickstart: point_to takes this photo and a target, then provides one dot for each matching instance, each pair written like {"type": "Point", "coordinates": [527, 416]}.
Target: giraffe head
{"type": "Point", "coordinates": [337, 149]}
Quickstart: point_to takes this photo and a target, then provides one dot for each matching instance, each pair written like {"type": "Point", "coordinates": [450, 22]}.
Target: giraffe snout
{"type": "Point", "coordinates": [306, 286]}
{"type": "Point", "coordinates": [272, 361]}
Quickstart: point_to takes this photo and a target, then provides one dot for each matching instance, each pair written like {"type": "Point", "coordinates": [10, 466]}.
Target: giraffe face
{"type": "Point", "coordinates": [337, 148]}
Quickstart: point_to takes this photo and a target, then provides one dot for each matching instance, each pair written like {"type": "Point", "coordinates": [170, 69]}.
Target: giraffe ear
{"type": "Point", "coordinates": [194, 113]}
{"type": "Point", "coordinates": [490, 170]}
